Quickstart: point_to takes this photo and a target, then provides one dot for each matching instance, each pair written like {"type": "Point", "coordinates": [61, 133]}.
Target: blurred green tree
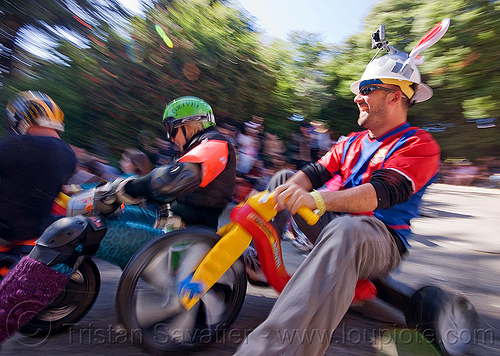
{"type": "Point", "coordinates": [50, 17]}
{"type": "Point", "coordinates": [462, 68]}
{"type": "Point", "coordinates": [198, 48]}
{"type": "Point", "coordinates": [117, 82]}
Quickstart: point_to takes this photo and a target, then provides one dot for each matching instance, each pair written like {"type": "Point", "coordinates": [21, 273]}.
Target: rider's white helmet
{"type": "Point", "coordinates": [392, 69]}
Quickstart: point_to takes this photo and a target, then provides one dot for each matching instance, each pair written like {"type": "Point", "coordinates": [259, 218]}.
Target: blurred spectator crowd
{"type": "Point", "coordinates": [260, 154]}
{"type": "Point", "coordinates": [482, 172]}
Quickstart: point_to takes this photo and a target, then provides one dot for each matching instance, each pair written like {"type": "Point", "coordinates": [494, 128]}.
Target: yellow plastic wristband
{"type": "Point", "coordinates": [320, 203]}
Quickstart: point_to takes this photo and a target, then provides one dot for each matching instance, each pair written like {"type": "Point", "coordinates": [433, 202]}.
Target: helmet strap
{"type": "Point", "coordinates": [207, 124]}
{"type": "Point", "coordinates": [404, 85]}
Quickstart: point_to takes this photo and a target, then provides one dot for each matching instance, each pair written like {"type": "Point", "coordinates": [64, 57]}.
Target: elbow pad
{"type": "Point", "coordinates": [169, 182]}
{"type": "Point", "coordinates": [392, 188]}
{"type": "Point", "coordinates": [317, 174]}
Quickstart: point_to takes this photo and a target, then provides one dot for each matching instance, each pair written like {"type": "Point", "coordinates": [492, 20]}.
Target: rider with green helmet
{"type": "Point", "coordinates": [200, 184]}
{"type": "Point", "coordinates": [185, 109]}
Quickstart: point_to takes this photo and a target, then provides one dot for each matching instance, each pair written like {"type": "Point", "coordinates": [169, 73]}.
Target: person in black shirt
{"type": "Point", "coordinates": [198, 186]}
{"type": "Point", "coordinates": [34, 164]}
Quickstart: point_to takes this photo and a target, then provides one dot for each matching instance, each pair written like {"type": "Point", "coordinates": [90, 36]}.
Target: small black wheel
{"type": "Point", "coordinates": [449, 320]}
{"type": "Point", "coordinates": [70, 306]}
{"type": "Point", "coordinates": [147, 302]}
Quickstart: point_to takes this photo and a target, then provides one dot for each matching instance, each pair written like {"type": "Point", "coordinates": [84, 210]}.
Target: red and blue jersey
{"type": "Point", "coordinates": [410, 151]}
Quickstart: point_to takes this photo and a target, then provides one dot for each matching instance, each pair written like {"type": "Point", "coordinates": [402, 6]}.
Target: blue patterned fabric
{"type": "Point", "coordinates": [127, 232]}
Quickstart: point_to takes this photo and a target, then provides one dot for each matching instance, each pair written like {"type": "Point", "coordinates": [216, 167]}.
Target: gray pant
{"type": "Point", "coordinates": [318, 295]}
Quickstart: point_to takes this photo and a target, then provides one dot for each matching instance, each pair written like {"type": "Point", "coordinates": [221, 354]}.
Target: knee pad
{"type": "Point", "coordinates": [60, 240]}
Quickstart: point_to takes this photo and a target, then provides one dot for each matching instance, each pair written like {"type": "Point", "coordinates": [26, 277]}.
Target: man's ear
{"type": "Point", "coordinates": [395, 97]}
{"type": "Point", "coordinates": [398, 95]}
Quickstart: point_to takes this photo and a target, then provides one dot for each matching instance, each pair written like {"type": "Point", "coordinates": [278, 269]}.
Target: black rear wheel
{"type": "Point", "coordinates": [147, 301]}
{"type": "Point", "coordinates": [70, 306]}
{"type": "Point", "coordinates": [447, 319]}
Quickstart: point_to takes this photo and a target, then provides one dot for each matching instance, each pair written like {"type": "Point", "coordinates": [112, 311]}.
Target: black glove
{"type": "Point", "coordinates": [109, 197]}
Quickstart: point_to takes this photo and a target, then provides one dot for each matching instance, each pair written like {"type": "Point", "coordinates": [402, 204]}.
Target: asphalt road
{"type": "Point", "coordinates": [456, 246]}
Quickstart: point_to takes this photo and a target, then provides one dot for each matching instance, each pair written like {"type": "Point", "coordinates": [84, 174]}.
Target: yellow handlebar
{"type": "Point", "coordinates": [308, 215]}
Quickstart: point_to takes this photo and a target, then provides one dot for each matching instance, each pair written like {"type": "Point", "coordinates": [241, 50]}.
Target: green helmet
{"type": "Point", "coordinates": [187, 108]}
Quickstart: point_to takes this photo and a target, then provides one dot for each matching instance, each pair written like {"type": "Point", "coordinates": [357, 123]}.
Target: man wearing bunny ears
{"type": "Point", "coordinates": [363, 229]}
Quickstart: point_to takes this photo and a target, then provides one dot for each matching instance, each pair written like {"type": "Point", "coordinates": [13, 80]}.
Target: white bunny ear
{"type": "Point", "coordinates": [428, 40]}
{"type": "Point", "coordinates": [430, 37]}
{"type": "Point", "coordinates": [419, 60]}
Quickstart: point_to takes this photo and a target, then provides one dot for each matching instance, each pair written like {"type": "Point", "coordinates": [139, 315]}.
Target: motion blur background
{"type": "Point", "coordinates": [112, 65]}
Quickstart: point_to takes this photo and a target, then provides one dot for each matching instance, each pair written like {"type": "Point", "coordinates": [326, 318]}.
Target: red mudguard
{"type": "Point", "coordinates": [267, 244]}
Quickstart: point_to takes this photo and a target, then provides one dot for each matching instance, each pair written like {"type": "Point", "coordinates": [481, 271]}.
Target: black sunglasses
{"type": "Point", "coordinates": [172, 127]}
{"type": "Point", "coordinates": [367, 89]}
{"type": "Point", "coordinates": [172, 124]}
